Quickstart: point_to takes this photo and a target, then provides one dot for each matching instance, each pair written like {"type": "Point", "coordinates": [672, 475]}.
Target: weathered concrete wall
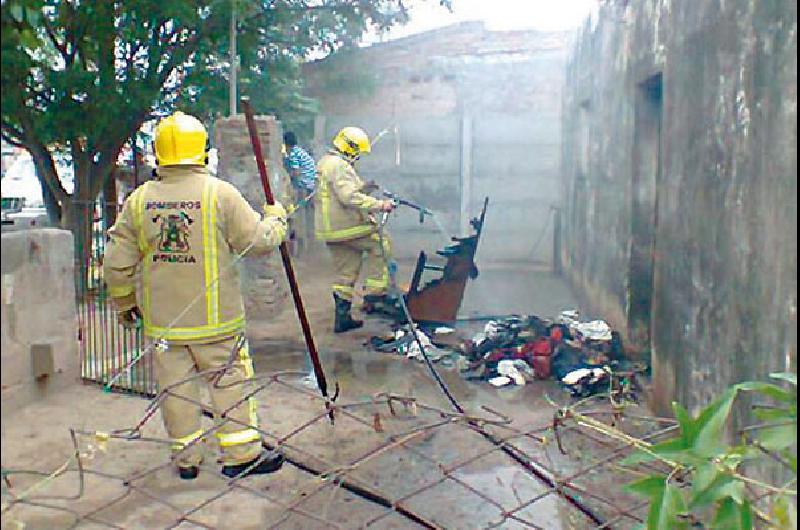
{"type": "Point", "coordinates": [469, 113]}
{"type": "Point", "coordinates": [680, 184]}
{"type": "Point", "coordinates": [263, 283]}
{"type": "Point", "coordinates": [38, 315]}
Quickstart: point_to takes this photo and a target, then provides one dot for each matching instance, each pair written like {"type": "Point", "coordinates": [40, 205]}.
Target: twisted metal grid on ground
{"type": "Point", "coordinates": [388, 462]}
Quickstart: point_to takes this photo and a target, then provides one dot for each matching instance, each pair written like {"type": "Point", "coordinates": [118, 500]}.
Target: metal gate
{"type": "Point", "coordinates": [106, 347]}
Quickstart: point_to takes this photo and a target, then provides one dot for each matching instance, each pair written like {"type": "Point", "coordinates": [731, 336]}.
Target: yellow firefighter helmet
{"type": "Point", "coordinates": [181, 140]}
{"type": "Point", "coordinates": [352, 141]}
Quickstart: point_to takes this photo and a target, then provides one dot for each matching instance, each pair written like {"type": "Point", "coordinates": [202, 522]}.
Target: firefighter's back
{"type": "Point", "coordinates": [190, 292]}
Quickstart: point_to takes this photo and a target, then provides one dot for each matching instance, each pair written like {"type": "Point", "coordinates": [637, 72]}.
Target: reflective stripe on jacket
{"type": "Point", "coordinates": [185, 231]}
{"type": "Point", "coordinates": [341, 209]}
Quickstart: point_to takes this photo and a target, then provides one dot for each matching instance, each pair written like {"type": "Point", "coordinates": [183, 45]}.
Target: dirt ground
{"type": "Point", "coordinates": [37, 437]}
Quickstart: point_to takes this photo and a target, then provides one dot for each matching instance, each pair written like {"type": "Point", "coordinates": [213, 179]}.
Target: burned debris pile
{"type": "Point", "coordinates": [584, 357]}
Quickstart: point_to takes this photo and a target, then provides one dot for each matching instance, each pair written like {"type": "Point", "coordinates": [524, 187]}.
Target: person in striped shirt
{"type": "Point", "coordinates": [303, 174]}
{"type": "Point", "coordinates": [300, 165]}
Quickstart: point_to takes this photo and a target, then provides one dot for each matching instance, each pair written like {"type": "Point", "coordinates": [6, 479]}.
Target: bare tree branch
{"type": "Point", "coordinates": [61, 47]}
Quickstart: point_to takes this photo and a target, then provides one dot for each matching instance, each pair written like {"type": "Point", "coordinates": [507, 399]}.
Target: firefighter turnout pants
{"type": "Point", "coordinates": [350, 256]}
{"type": "Point", "coordinates": [238, 439]}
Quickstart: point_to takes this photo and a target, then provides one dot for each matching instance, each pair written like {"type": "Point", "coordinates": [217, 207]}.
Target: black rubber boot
{"type": "Point", "coordinates": [188, 473]}
{"type": "Point", "coordinates": [267, 463]}
{"type": "Point", "coordinates": [343, 320]}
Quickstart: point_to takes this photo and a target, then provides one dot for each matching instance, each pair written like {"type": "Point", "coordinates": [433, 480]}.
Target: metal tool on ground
{"type": "Point", "coordinates": [287, 265]}
{"type": "Point", "coordinates": [391, 267]}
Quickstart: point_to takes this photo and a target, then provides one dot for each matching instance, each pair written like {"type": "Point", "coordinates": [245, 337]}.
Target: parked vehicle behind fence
{"type": "Point", "coordinates": [22, 201]}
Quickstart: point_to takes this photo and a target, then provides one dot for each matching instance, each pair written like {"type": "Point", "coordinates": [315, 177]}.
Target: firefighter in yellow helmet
{"type": "Point", "coordinates": [183, 231]}
{"type": "Point", "coordinates": [345, 221]}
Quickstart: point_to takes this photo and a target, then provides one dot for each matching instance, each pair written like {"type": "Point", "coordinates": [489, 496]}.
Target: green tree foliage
{"type": "Point", "coordinates": [83, 76]}
{"type": "Point", "coordinates": [707, 486]}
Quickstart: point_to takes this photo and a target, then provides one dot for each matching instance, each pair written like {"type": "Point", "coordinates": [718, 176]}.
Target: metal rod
{"type": "Point", "coordinates": [234, 58]}
{"type": "Point", "coordinates": [361, 491]}
{"type": "Point", "coordinates": [287, 260]}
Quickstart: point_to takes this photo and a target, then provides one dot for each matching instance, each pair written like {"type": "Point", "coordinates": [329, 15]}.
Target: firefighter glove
{"type": "Point", "coordinates": [275, 210]}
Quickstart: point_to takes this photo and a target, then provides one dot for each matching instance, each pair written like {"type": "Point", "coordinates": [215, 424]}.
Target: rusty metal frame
{"type": "Point", "coordinates": [439, 300]}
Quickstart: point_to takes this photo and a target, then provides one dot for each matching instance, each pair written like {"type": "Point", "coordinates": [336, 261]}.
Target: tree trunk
{"type": "Point", "coordinates": [51, 204]}
{"type": "Point", "coordinates": [78, 213]}
{"type": "Point", "coordinates": [53, 193]}
{"type": "Point", "coordinates": [110, 200]}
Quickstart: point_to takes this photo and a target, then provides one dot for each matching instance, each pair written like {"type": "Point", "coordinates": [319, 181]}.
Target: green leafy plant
{"type": "Point", "coordinates": [707, 485]}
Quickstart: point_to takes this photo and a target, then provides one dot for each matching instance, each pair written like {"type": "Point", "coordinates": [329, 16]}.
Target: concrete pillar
{"type": "Point", "coordinates": [263, 281]}
{"type": "Point", "coordinates": [321, 141]}
{"type": "Point", "coordinates": [38, 313]}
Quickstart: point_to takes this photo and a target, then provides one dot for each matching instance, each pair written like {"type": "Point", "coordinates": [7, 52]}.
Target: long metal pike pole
{"type": "Point", "coordinates": [287, 262]}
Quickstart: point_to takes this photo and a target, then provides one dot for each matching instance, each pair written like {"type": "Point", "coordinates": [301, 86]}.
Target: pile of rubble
{"type": "Point", "coordinates": [514, 350]}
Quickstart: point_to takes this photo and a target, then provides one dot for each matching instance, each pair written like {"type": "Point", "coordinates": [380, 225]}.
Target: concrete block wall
{"type": "Point", "coordinates": [471, 113]}
{"type": "Point", "coordinates": [720, 183]}
{"type": "Point", "coordinates": [438, 72]}
{"type": "Point", "coordinates": [38, 314]}
{"type": "Point", "coordinates": [515, 164]}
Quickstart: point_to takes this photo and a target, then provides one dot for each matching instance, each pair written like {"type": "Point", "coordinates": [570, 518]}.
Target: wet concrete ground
{"type": "Point", "coordinates": [37, 437]}
{"type": "Point", "coordinates": [361, 372]}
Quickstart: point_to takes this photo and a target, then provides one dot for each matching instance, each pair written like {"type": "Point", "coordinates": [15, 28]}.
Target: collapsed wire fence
{"type": "Point", "coordinates": [390, 461]}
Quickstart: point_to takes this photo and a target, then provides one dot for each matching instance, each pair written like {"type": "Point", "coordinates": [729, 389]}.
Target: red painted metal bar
{"type": "Point", "coordinates": [287, 260]}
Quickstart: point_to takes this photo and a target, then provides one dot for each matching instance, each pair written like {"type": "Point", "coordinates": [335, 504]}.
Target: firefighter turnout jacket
{"type": "Point", "coordinates": [185, 230]}
{"type": "Point", "coordinates": [342, 210]}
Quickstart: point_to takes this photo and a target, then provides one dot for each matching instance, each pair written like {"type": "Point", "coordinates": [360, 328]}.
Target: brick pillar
{"type": "Point", "coordinates": [263, 281]}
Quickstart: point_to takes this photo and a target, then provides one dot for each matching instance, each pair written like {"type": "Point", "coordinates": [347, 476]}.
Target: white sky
{"type": "Point", "coordinates": [497, 15]}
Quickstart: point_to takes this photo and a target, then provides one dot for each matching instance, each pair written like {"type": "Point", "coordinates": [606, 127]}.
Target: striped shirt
{"type": "Point", "coordinates": [298, 158]}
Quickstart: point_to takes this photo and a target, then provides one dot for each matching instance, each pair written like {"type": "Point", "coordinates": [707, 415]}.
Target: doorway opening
{"type": "Point", "coordinates": [644, 219]}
